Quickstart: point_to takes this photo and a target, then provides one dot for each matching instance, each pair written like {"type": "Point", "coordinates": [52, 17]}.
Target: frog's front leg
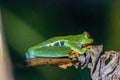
{"type": "Point", "coordinates": [76, 48]}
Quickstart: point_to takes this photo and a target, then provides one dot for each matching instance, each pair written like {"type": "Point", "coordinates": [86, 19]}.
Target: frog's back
{"type": "Point", "coordinates": [55, 39]}
{"type": "Point", "coordinates": [52, 40]}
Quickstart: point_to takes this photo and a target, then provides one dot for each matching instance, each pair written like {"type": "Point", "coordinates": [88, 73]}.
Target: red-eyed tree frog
{"type": "Point", "coordinates": [61, 46]}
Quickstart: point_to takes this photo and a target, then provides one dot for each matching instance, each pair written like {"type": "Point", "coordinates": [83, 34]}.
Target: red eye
{"type": "Point", "coordinates": [88, 35]}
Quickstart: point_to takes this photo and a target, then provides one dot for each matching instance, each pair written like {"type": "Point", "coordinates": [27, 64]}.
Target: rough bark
{"type": "Point", "coordinates": [103, 65]}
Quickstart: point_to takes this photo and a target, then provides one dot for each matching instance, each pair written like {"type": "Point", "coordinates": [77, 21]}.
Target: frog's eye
{"type": "Point", "coordinates": [88, 34]}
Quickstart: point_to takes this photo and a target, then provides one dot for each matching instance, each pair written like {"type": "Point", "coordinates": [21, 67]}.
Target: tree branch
{"type": "Point", "coordinates": [103, 67]}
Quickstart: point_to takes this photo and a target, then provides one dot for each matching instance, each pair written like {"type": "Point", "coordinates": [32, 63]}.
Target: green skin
{"type": "Point", "coordinates": [60, 46]}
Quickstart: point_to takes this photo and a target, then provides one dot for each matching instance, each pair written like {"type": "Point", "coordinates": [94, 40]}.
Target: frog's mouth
{"type": "Point", "coordinates": [84, 46]}
{"type": "Point", "coordinates": [87, 46]}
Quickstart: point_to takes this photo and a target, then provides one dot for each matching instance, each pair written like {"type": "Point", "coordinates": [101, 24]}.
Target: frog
{"type": "Point", "coordinates": [61, 46]}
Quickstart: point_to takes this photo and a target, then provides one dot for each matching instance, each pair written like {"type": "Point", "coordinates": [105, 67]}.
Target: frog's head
{"type": "Point", "coordinates": [86, 39]}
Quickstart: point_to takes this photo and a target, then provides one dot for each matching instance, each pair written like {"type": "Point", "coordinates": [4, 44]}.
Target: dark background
{"type": "Point", "coordinates": [29, 22]}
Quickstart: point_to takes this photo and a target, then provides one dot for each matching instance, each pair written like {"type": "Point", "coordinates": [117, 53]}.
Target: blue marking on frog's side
{"type": "Point", "coordinates": [61, 43]}
{"type": "Point", "coordinates": [56, 44]}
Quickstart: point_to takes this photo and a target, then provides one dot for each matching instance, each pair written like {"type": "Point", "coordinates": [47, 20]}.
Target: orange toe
{"type": "Point", "coordinates": [74, 53]}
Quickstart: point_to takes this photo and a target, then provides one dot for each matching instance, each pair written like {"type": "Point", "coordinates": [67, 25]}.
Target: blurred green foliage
{"type": "Point", "coordinates": [28, 23]}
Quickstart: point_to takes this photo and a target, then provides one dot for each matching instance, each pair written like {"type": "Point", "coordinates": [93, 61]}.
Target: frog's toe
{"type": "Point", "coordinates": [74, 53]}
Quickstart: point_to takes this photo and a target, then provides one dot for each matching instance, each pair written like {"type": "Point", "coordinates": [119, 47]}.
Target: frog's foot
{"type": "Point", "coordinates": [29, 56]}
{"type": "Point", "coordinates": [64, 66]}
{"type": "Point", "coordinates": [74, 54]}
